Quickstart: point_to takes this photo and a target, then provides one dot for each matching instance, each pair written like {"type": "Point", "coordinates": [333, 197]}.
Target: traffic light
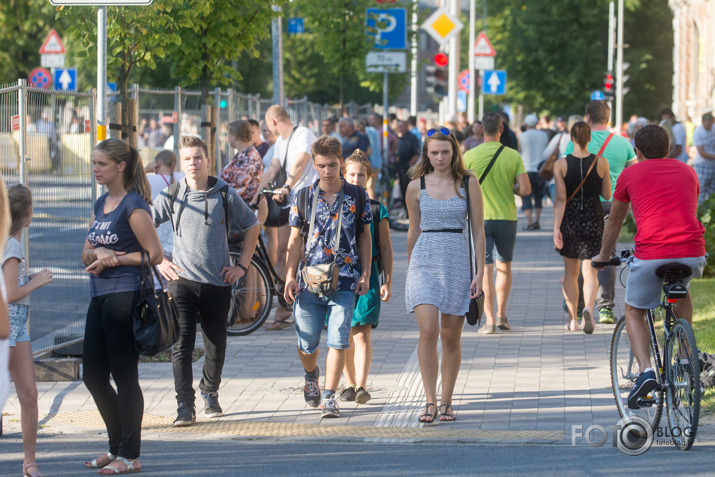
{"type": "Point", "coordinates": [609, 86]}
{"type": "Point", "coordinates": [437, 76]}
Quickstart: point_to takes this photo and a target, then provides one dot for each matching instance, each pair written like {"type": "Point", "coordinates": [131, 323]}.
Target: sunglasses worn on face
{"type": "Point", "coordinates": [442, 130]}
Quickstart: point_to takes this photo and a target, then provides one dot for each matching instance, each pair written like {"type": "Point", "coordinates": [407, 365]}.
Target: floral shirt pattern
{"type": "Point", "coordinates": [244, 173]}
{"type": "Point", "coordinates": [322, 242]}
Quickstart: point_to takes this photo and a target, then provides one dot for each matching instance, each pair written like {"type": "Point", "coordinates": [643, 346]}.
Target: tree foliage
{"type": "Point", "coordinates": [215, 33]}
{"type": "Point", "coordinates": [24, 25]}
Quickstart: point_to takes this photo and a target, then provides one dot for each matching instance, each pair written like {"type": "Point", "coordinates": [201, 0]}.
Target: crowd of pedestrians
{"type": "Point", "coordinates": [329, 238]}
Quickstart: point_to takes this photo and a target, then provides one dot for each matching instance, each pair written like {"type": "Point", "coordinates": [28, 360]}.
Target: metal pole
{"type": "Point", "coordinates": [481, 96]}
{"type": "Point", "coordinates": [413, 65]}
{"type": "Point", "coordinates": [22, 111]}
{"type": "Point", "coordinates": [472, 73]}
{"type": "Point", "coordinates": [384, 120]}
{"type": "Point", "coordinates": [177, 124]}
{"type": "Point", "coordinates": [101, 73]}
{"type": "Point", "coordinates": [453, 66]}
{"type": "Point", "coordinates": [93, 141]}
{"type": "Point", "coordinates": [619, 70]}
{"type": "Point", "coordinates": [611, 34]}
{"type": "Point", "coordinates": [216, 131]}
{"type": "Point", "coordinates": [277, 37]}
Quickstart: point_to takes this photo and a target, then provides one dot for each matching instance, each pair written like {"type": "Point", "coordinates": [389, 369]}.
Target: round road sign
{"type": "Point", "coordinates": [40, 78]}
{"type": "Point", "coordinates": [463, 81]}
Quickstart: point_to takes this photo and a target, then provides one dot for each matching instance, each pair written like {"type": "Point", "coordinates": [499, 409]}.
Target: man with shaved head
{"type": "Point", "coordinates": [291, 153]}
{"type": "Point", "coordinates": [353, 139]}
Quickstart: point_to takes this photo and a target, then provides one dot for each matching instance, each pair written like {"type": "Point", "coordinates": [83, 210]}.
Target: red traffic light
{"type": "Point", "coordinates": [441, 60]}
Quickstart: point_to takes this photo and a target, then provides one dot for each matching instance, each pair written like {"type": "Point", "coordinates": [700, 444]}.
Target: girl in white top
{"type": "Point", "coordinates": [163, 176]}
{"type": "Point", "coordinates": [19, 286]}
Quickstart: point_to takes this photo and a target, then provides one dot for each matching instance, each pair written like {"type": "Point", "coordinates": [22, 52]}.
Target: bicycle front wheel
{"type": "Point", "coordinates": [251, 299]}
{"type": "Point", "coordinates": [624, 372]}
{"type": "Point", "coordinates": [683, 391]}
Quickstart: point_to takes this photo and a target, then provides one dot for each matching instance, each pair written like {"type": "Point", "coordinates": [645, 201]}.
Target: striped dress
{"type": "Point", "coordinates": [438, 272]}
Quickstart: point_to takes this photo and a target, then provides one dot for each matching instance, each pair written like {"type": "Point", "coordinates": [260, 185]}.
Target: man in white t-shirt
{"type": "Point", "coordinates": [680, 151]}
{"type": "Point", "coordinates": [292, 151]}
{"type": "Point", "coordinates": [532, 143]}
{"type": "Point", "coordinates": [704, 141]}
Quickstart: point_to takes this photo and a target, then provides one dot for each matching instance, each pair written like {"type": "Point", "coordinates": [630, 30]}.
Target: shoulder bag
{"type": "Point", "coordinates": [323, 279]}
{"type": "Point", "coordinates": [278, 212]}
{"type": "Point", "coordinates": [476, 305]}
{"type": "Point", "coordinates": [546, 168]}
{"type": "Point", "coordinates": [155, 320]}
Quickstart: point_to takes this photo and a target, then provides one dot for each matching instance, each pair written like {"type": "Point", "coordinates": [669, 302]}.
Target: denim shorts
{"type": "Point", "coordinates": [18, 324]}
{"type": "Point", "coordinates": [644, 287]}
{"type": "Point", "coordinates": [502, 234]}
{"type": "Point", "coordinates": [311, 313]}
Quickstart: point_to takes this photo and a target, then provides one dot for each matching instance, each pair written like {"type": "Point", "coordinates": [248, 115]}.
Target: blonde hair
{"type": "Point", "coordinates": [134, 175]}
{"type": "Point", "coordinates": [424, 166]}
{"type": "Point", "coordinates": [168, 159]}
{"type": "Point", "coordinates": [358, 157]}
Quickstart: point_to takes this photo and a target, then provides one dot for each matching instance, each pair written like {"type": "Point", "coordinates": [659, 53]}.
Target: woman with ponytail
{"type": "Point", "coordinates": [121, 229]}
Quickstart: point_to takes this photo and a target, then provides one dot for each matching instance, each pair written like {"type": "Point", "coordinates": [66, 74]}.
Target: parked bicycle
{"type": "Point", "coordinates": [677, 374]}
{"type": "Point", "coordinates": [252, 296]}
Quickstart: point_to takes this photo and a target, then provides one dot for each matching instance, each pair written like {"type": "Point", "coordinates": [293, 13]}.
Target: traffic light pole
{"type": "Point", "coordinates": [101, 73]}
{"type": "Point", "coordinates": [384, 121]}
{"type": "Point", "coordinates": [472, 73]}
{"type": "Point", "coordinates": [619, 70]}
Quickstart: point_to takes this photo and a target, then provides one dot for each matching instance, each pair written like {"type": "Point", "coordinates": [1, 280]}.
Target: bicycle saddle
{"type": "Point", "coordinates": [673, 271]}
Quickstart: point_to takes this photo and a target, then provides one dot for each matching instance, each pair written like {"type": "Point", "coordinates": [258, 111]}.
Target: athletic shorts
{"type": "Point", "coordinates": [502, 234]}
{"type": "Point", "coordinates": [644, 288]}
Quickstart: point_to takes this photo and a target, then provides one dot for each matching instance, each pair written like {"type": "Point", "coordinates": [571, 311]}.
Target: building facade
{"type": "Point", "coordinates": [693, 58]}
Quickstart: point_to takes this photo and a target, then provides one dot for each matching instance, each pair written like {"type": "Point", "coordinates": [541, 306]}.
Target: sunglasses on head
{"type": "Point", "coordinates": [434, 131]}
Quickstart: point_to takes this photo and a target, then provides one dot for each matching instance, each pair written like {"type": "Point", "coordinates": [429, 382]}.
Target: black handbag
{"type": "Point", "coordinates": [155, 320]}
{"type": "Point", "coordinates": [279, 212]}
{"type": "Point", "coordinates": [476, 305]}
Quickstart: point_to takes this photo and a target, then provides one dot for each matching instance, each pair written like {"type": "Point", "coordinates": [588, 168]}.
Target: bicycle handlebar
{"type": "Point", "coordinates": [615, 261]}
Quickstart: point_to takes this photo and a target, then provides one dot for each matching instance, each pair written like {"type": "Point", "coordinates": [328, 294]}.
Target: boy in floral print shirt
{"type": "Point", "coordinates": [311, 310]}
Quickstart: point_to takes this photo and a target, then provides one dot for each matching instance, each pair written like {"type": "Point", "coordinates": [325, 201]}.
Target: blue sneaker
{"type": "Point", "coordinates": [645, 383]}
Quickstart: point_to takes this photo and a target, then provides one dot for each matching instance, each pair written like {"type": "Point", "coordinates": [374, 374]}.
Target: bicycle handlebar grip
{"type": "Point", "coordinates": [615, 261]}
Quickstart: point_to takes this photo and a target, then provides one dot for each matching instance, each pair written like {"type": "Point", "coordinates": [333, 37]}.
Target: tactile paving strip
{"type": "Point", "coordinates": [286, 430]}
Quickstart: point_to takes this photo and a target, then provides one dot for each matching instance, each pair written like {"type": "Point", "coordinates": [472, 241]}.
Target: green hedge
{"type": "Point", "coordinates": [706, 214]}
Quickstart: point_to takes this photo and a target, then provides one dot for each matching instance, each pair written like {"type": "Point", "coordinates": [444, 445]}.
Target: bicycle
{"type": "Point", "coordinates": [677, 375]}
{"type": "Point", "coordinates": [252, 295]}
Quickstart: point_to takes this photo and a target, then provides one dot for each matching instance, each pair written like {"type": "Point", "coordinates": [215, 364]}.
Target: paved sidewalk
{"type": "Point", "coordinates": [529, 385]}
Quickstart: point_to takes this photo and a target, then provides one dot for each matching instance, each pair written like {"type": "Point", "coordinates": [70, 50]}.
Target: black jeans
{"type": "Point", "coordinates": [211, 304]}
{"type": "Point", "coordinates": [109, 349]}
{"type": "Point", "coordinates": [404, 180]}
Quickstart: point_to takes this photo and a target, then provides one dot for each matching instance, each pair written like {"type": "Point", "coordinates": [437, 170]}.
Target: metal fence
{"type": "Point", "coordinates": [46, 138]}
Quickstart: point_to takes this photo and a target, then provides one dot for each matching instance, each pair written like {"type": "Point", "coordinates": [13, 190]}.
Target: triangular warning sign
{"type": "Point", "coordinates": [52, 44]}
{"type": "Point", "coordinates": [483, 47]}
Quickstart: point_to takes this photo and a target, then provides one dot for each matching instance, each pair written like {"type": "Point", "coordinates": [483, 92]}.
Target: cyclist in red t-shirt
{"type": "Point", "coordinates": [664, 195]}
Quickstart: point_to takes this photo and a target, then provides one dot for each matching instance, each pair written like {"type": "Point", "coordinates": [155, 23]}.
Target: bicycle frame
{"type": "Point", "coordinates": [261, 253]}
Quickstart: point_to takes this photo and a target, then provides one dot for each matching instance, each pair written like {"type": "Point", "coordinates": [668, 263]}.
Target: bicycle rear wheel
{"type": "Point", "coordinates": [251, 299]}
{"type": "Point", "coordinates": [624, 372]}
{"type": "Point", "coordinates": [683, 393]}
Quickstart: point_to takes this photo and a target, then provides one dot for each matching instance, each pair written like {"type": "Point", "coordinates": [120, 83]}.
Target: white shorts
{"type": "Point", "coordinates": [644, 287]}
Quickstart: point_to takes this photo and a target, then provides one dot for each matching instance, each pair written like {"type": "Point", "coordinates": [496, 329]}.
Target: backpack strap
{"type": "Point", "coordinates": [226, 211]}
{"type": "Point", "coordinates": [360, 203]}
{"type": "Point", "coordinates": [302, 204]}
{"type": "Point", "coordinates": [172, 192]}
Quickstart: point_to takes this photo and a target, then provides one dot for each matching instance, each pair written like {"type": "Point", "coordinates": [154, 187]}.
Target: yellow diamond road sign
{"type": "Point", "coordinates": [442, 25]}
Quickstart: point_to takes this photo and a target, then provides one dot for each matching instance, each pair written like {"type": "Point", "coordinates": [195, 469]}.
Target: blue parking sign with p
{"type": "Point", "coordinates": [388, 28]}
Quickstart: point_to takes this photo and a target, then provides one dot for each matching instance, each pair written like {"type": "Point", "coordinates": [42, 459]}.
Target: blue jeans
{"type": "Point", "coordinates": [312, 311]}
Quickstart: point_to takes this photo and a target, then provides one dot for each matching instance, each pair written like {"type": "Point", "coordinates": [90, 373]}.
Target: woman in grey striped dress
{"type": "Point", "coordinates": [438, 271]}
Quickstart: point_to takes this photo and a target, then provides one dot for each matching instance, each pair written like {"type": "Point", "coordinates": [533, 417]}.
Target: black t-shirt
{"type": "Point", "coordinates": [508, 138]}
{"type": "Point", "coordinates": [407, 148]}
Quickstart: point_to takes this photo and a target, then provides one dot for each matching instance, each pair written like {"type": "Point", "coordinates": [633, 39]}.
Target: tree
{"type": "Point", "coordinates": [136, 38]}
{"type": "Point", "coordinates": [24, 25]}
{"type": "Point", "coordinates": [215, 33]}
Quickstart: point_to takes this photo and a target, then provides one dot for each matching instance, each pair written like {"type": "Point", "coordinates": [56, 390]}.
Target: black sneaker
{"type": "Point", "coordinates": [362, 396]}
{"type": "Point", "coordinates": [347, 394]}
{"type": "Point", "coordinates": [311, 390]}
{"type": "Point", "coordinates": [330, 407]}
{"type": "Point", "coordinates": [645, 383]}
{"type": "Point", "coordinates": [213, 408]}
{"type": "Point", "coordinates": [185, 415]}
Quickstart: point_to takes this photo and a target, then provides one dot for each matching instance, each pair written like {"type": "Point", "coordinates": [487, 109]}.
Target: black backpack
{"type": "Point", "coordinates": [173, 192]}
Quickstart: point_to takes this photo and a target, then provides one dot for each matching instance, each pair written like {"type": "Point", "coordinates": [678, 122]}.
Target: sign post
{"type": "Point", "coordinates": [101, 51]}
{"type": "Point", "coordinates": [484, 60]}
{"type": "Point", "coordinates": [391, 36]}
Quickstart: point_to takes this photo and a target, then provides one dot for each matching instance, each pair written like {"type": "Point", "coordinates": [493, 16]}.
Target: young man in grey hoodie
{"type": "Point", "coordinates": [201, 273]}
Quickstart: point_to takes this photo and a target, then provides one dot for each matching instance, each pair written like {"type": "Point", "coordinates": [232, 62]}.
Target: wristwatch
{"type": "Point", "coordinates": [242, 268]}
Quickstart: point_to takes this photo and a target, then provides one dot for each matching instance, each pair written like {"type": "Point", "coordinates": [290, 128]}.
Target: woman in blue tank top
{"type": "Point", "coordinates": [121, 228]}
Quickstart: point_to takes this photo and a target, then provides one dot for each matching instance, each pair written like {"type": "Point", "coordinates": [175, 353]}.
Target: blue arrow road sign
{"type": "Point", "coordinates": [388, 28]}
{"type": "Point", "coordinates": [65, 79]}
{"type": "Point", "coordinates": [597, 95]}
{"type": "Point", "coordinates": [295, 26]}
{"type": "Point", "coordinates": [494, 82]}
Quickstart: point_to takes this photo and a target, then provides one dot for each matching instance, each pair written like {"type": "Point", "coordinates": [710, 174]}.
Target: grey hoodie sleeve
{"type": "Point", "coordinates": [241, 214]}
{"type": "Point", "coordinates": [160, 209]}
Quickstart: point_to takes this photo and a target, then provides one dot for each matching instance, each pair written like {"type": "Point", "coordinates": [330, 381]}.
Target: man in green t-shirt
{"type": "Point", "coordinates": [620, 154]}
{"type": "Point", "coordinates": [498, 189]}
